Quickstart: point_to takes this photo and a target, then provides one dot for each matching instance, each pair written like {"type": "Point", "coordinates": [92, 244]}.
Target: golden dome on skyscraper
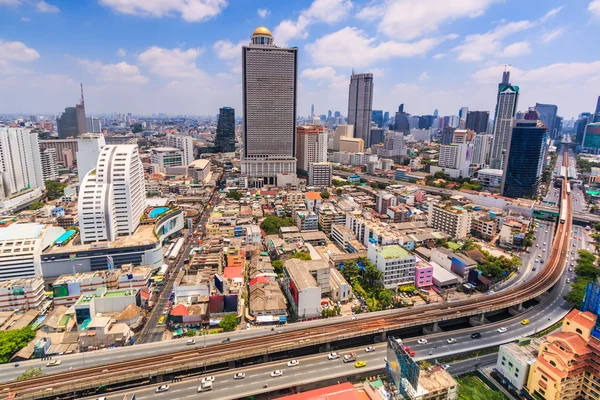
{"type": "Point", "coordinates": [261, 30]}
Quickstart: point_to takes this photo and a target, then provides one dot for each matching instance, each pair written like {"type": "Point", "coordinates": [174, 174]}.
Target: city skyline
{"type": "Point", "coordinates": [164, 57]}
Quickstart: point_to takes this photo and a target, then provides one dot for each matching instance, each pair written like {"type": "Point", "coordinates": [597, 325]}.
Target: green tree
{"type": "Point", "coordinates": [278, 265]}
{"type": "Point", "coordinates": [36, 205]}
{"type": "Point", "coordinates": [339, 191]}
{"type": "Point", "coordinates": [136, 128]}
{"type": "Point", "coordinates": [271, 224]}
{"type": "Point", "coordinates": [30, 372]}
{"type": "Point", "coordinates": [235, 195]}
{"type": "Point", "coordinates": [386, 298]}
{"type": "Point", "coordinates": [302, 256]}
{"type": "Point", "coordinates": [55, 189]}
{"type": "Point", "coordinates": [325, 195]}
{"type": "Point", "coordinates": [13, 341]}
{"type": "Point", "coordinates": [228, 323]}
{"type": "Point", "coordinates": [190, 333]}
{"type": "Point", "coordinates": [350, 271]}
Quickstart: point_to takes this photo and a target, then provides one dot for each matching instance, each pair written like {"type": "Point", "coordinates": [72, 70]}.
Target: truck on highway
{"type": "Point", "coordinates": [205, 387]}
{"type": "Point", "coordinates": [350, 357]}
{"type": "Point", "coordinates": [177, 249]}
{"type": "Point", "coordinates": [563, 211]}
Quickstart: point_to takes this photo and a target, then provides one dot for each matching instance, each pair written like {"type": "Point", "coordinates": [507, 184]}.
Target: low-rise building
{"type": "Point", "coordinates": [514, 362]}
{"type": "Point", "coordinates": [166, 157]}
{"type": "Point", "coordinates": [302, 290]}
{"type": "Point", "coordinates": [340, 289]}
{"type": "Point", "coordinates": [307, 221]}
{"type": "Point", "coordinates": [490, 179]}
{"type": "Point", "coordinates": [341, 235]}
{"type": "Point", "coordinates": [267, 302]}
{"type": "Point", "coordinates": [395, 263]}
{"type": "Point", "coordinates": [320, 174]}
{"type": "Point", "coordinates": [199, 170]}
{"type": "Point", "coordinates": [328, 215]}
{"type": "Point", "coordinates": [423, 275]}
{"type": "Point", "coordinates": [484, 226]}
{"type": "Point", "coordinates": [104, 301]}
{"type": "Point", "coordinates": [454, 220]}
{"type": "Point", "coordinates": [22, 294]}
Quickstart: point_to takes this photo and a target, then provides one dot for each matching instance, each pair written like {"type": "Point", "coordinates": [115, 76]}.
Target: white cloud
{"type": "Point", "coordinates": [553, 34]}
{"type": "Point", "coordinates": [10, 2]}
{"type": "Point", "coordinates": [409, 19]}
{"type": "Point", "coordinates": [478, 46]}
{"type": "Point", "coordinates": [371, 13]}
{"type": "Point", "coordinates": [329, 11]}
{"type": "Point", "coordinates": [594, 8]}
{"type": "Point", "coordinates": [424, 76]}
{"type": "Point", "coordinates": [263, 12]}
{"type": "Point", "coordinates": [324, 75]}
{"type": "Point", "coordinates": [44, 7]}
{"type": "Point", "coordinates": [439, 56]}
{"type": "Point", "coordinates": [114, 73]}
{"type": "Point", "coordinates": [172, 63]}
{"type": "Point", "coordinates": [351, 47]}
{"type": "Point", "coordinates": [121, 52]}
{"type": "Point", "coordinates": [189, 10]}
{"type": "Point", "coordinates": [25, 19]}
{"type": "Point", "coordinates": [17, 51]}
{"type": "Point", "coordinates": [553, 73]}
{"type": "Point", "coordinates": [227, 50]}
{"type": "Point", "coordinates": [516, 49]}
{"type": "Point", "coordinates": [551, 13]}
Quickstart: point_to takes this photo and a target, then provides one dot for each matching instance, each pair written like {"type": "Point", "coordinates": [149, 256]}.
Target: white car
{"type": "Point", "coordinates": [422, 341]}
{"type": "Point", "coordinates": [369, 349]}
{"type": "Point", "coordinates": [451, 340]}
{"type": "Point", "coordinates": [53, 363]}
{"type": "Point", "coordinates": [276, 373]}
{"type": "Point", "coordinates": [191, 341]}
{"type": "Point", "coordinates": [502, 330]}
{"type": "Point", "coordinates": [239, 375]}
{"type": "Point", "coordinates": [333, 356]}
{"type": "Point", "coordinates": [162, 388]}
{"type": "Point", "coordinates": [353, 319]}
{"type": "Point", "coordinates": [208, 379]}
{"type": "Point", "coordinates": [293, 363]}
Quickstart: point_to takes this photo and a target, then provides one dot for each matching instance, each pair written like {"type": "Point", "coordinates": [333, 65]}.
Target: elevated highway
{"type": "Point", "coordinates": [65, 382]}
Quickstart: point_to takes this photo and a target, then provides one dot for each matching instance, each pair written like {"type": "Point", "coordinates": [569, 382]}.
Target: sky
{"type": "Point", "coordinates": [184, 56]}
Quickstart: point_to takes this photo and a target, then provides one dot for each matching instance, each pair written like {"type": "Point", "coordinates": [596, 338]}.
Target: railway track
{"type": "Point", "coordinates": [549, 275]}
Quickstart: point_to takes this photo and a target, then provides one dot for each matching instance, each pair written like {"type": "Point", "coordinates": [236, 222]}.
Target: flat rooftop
{"type": "Point", "coordinates": [144, 235]}
{"type": "Point", "coordinates": [393, 251]}
{"type": "Point", "coordinates": [17, 282]}
{"type": "Point", "coordinates": [21, 231]}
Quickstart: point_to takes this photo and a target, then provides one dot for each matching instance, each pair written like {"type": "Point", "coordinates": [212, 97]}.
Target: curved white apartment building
{"type": "Point", "coordinates": [112, 197]}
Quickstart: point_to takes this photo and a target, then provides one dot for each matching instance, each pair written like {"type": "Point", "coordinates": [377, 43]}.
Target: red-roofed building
{"type": "Point", "coordinates": [259, 279]}
{"type": "Point", "coordinates": [179, 310]}
{"type": "Point", "coordinates": [233, 273]}
{"type": "Point", "coordinates": [343, 391]}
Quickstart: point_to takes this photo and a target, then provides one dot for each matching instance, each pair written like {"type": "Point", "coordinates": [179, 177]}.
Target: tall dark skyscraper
{"type": "Point", "coordinates": [386, 117]}
{"type": "Point", "coordinates": [269, 89]}
{"type": "Point", "coordinates": [548, 114]}
{"type": "Point", "coordinates": [524, 159]}
{"type": "Point", "coordinates": [225, 138]}
{"type": "Point", "coordinates": [425, 121]}
{"type": "Point", "coordinates": [72, 122]}
{"type": "Point", "coordinates": [377, 117]}
{"type": "Point", "coordinates": [580, 125]}
{"type": "Point", "coordinates": [477, 121]}
{"type": "Point", "coordinates": [401, 123]}
{"type": "Point", "coordinates": [360, 105]}
{"type": "Point", "coordinates": [506, 107]}
{"type": "Point", "coordinates": [328, 115]}
{"type": "Point", "coordinates": [597, 112]}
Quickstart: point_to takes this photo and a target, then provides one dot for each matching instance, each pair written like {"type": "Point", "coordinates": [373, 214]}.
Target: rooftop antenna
{"type": "Point", "coordinates": [82, 101]}
{"type": "Point", "coordinates": [505, 68]}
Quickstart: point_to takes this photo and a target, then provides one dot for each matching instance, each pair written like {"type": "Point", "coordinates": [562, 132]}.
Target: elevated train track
{"type": "Point", "coordinates": [51, 385]}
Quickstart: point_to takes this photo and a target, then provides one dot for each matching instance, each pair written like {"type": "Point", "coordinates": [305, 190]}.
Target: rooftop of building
{"type": "Point", "coordinates": [87, 298]}
{"type": "Point", "coordinates": [202, 163]}
{"type": "Point", "coordinates": [524, 350]}
{"type": "Point", "coordinates": [393, 251]}
{"type": "Point", "coordinates": [19, 282]}
{"type": "Point", "coordinates": [436, 379]}
{"type": "Point", "coordinates": [144, 235]}
{"type": "Point", "coordinates": [313, 196]}
{"type": "Point", "coordinates": [585, 319]}
{"type": "Point", "coordinates": [490, 171]}
{"type": "Point", "coordinates": [21, 231]}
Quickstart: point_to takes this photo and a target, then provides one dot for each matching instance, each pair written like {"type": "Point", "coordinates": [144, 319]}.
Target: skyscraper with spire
{"type": "Point", "coordinates": [72, 122]}
{"type": "Point", "coordinates": [269, 90]}
{"type": "Point", "coordinates": [506, 107]}
{"type": "Point", "coordinates": [360, 105]}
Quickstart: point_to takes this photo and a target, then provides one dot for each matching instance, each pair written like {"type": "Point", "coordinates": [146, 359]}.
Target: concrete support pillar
{"type": "Point", "coordinates": [231, 364]}
{"type": "Point", "coordinates": [266, 358]}
{"type": "Point", "coordinates": [516, 310]}
{"type": "Point", "coordinates": [478, 320]}
{"type": "Point", "coordinates": [383, 336]}
{"type": "Point", "coordinates": [433, 328]}
{"type": "Point", "coordinates": [327, 347]}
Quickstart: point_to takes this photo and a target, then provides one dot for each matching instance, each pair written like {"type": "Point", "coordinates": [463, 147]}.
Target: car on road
{"type": "Point", "coordinates": [369, 349]}
{"type": "Point", "coordinates": [161, 320]}
{"type": "Point", "coordinates": [293, 363]}
{"type": "Point", "coordinates": [540, 255]}
{"type": "Point", "coordinates": [353, 319]}
{"type": "Point", "coordinates": [53, 363]}
{"type": "Point", "coordinates": [102, 398]}
{"type": "Point", "coordinates": [568, 280]}
{"type": "Point", "coordinates": [162, 388]}
{"type": "Point", "coordinates": [360, 364]}
{"type": "Point", "coordinates": [451, 340]}
{"type": "Point", "coordinates": [333, 356]}
{"type": "Point", "coordinates": [537, 245]}
{"type": "Point", "coordinates": [239, 375]}
{"type": "Point", "coordinates": [524, 321]}
{"type": "Point", "coordinates": [422, 341]}
{"type": "Point", "coordinates": [544, 243]}
{"type": "Point", "coordinates": [447, 366]}
{"type": "Point", "coordinates": [570, 269]}
{"type": "Point", "coordinates": [502, 330]}
{"type": "Point", "coordinates": [276, 373]}
{"type": "Point", "coordinates": [208, 379]}
{"type": "Point", "coordinates": [191, 341]}
{"type": "Point", "coordinates": [476, 335]}
{"type": "Point", "coordinates": [226, 340]}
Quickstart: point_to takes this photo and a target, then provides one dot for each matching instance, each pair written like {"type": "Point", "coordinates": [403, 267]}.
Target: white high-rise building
{"type": "Point", "coordinates": [49, 167]}
{"type": "Point", "coordinates": [360, 105]}
{"type": "Point", "coordinates": [482, 145]}
{"type": "Point", "coordinates": [20, 161]}
{"type": "Point", "coordinates": [112, 196]}
{"type": "Point", "coordinates": [93, 125]}
{"type": "Point", "coordinates": [89, 147]}
{"type": "Point", "coordinates": [506, 108]}
{"type": "Point", "coordinates": [269, 88]}
{"type": "Point", "coordinates": [184, 143]}
{"type": "Point", "coordinates": [311, 145]}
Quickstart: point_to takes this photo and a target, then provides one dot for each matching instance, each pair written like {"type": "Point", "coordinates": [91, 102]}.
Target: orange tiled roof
{"type": "Point", "coordinates": [586, 319]}
{"type": "Point", "coordinates": [313, 196]}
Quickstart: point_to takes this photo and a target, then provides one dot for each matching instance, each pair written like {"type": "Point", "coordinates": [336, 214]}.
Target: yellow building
{"type": "Point", "coordinates": [352, 145]}
{"type": "Point", "coordinates": [568, 364]}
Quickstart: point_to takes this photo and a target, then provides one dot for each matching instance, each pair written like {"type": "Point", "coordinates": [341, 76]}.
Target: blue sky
{"type": "Point", "coordinates": [183, 56]}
